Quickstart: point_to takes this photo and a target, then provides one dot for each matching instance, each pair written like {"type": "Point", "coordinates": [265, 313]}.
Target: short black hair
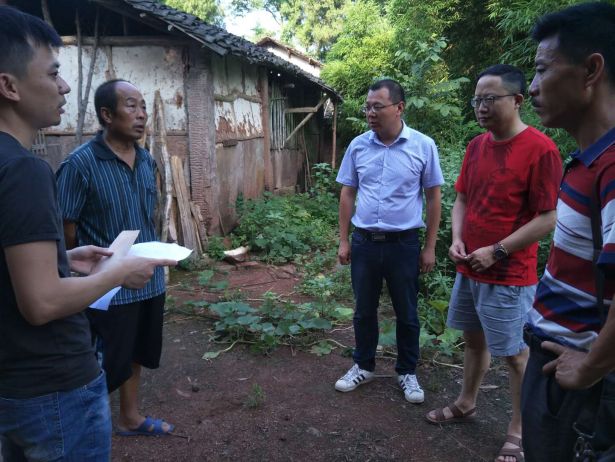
{"type": "Point", "coordinates": [20, 33]}
{"type": "Point", "coordinates": [106, 96]}
{"type": "Point", "coordinates": [512, 77]}
{"type": "Point", "coordinates": [396, 92]}
{"type": "Point", "coordinates": [582, 30]}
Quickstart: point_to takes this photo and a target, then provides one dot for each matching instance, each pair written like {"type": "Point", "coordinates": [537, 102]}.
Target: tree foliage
{"type": "Point", "coordinates": [312, 25]}
{"type": "Point", "coordinates": [207, 10]}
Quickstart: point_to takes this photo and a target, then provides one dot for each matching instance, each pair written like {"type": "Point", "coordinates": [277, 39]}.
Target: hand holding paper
{"type": "Point", "coordinates": [137, 262]}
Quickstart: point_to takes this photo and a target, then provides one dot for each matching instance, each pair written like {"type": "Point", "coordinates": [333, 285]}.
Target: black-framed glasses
{"type": "Point", "coordinates": [376, 108]}
{"type": "Point", "coordinates": [487, 101]}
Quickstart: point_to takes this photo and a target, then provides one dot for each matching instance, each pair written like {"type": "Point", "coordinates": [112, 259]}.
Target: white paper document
{"type": "Point", "coordinates": [150, 250]}
{"type": "Point", "coordinates": [159, 250]}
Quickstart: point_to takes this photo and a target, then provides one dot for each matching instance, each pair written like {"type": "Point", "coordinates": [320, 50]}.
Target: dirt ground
{"type": "Point", "coordinates": [283, 407]}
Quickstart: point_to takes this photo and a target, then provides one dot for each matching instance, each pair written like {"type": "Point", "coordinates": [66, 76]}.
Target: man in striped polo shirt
{"type": "Point", "coordinates": [571, 350]}
{"type": "Point", "coordinates": [106, 186]}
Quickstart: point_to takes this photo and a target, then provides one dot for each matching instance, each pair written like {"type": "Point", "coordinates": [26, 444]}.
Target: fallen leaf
{"type": "Point", "coordinates": [489, 387]}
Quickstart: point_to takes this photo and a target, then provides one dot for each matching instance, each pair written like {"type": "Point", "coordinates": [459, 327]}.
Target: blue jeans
{"type": "Point", "coordinates": [397, 262]}
{"type": "Point", "coordinates": [65, 426]}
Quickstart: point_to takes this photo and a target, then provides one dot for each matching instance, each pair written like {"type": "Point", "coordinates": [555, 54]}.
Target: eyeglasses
{"type": "Point", "coordinates": [487, 100]}
{"type": "Point", "coordinates": [376, 108]}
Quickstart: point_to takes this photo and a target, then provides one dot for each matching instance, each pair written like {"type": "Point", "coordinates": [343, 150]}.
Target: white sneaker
{"type": "Point", "coordinates": [353, 378]}
{"type": "Point", "coordinates": [412, 390]}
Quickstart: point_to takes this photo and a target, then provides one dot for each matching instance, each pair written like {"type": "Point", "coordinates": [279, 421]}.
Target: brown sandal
{"type": "Point", "coordinates": [458, 415]}
{"type": "Point", "coordinates": [512, 452]}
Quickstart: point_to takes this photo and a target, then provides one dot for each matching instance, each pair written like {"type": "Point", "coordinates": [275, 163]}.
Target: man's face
{"type": "Point", "coordinates": [499, 113]}
{"type": "Point", "coordinates": [130, 115]}
{"type": "Point", "coordinates": [41, 89]}
{"type": "Point", "coordinates": [557, 88]}
{"type": "Point", "coordinates": [382, 115]}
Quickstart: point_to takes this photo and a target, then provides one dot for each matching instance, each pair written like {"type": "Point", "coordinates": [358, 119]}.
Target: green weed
{"type": "Point", "coordinates": [256, 397]}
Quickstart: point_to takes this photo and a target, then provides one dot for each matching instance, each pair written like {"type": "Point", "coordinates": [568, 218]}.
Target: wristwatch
{"type": "Point", "coordinates": [499, 251]}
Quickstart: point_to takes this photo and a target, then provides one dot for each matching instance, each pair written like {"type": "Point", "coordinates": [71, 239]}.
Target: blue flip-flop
{"type": "Point", "coordinates": [149, 427]}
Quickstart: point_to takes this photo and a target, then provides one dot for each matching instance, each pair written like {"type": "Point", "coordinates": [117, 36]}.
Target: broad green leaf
{"type": "Point", "coordinates": [321, 348]}
{"type": "Point", "coordinates": [247, 319]}
{"type": "Point", "coordinates": [211, 354]}
{"type": "Point", "coordinates": [205, 276]}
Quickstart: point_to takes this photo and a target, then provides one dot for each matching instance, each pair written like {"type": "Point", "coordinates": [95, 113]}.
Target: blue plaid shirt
{"type": "Point", "coordinates": [103, 196]}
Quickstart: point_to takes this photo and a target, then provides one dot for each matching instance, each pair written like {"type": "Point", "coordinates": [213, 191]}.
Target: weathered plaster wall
{"type": "Point", "coordinates": [294, 59]}
{"type": "Point", "coordinates": [150, 68]}
{"type": "Point", "coordinates": [240, 158]}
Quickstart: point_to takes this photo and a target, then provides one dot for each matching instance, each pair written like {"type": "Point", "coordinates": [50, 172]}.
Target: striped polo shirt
{"type": "Point", "coordinates": [104, 196]}
{"type": "Point", "coordinates": [565, 306]}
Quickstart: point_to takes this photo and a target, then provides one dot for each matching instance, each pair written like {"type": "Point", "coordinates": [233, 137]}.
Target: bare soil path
{"type": "Point", "coordinates": [283, 407]}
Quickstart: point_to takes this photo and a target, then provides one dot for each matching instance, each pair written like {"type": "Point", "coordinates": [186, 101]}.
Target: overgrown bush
{"type": "Point", "coordinates": [282, 227]}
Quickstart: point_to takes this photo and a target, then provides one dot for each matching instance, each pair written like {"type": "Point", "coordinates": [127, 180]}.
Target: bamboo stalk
{"type": "Point", "coordinates": [334, 140]}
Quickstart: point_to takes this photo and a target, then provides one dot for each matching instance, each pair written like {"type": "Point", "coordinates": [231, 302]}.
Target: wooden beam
{"type": "Point", "coordinates": [83, 103]}
{"type": "Point", "coordinates": [306, 119]}
{"type": "Point", "coordinates": [263, 88]}
{"type": "Point", "coordinates": [128, 41]}
{"type": "Point", "coordinates": [159, 127]}
{"type": "Point", "coordinates": [300, 110]}
{"type": "Point", "coordinates": [46, 14]}
{"type": "Point", "coordinates": [189, 230]}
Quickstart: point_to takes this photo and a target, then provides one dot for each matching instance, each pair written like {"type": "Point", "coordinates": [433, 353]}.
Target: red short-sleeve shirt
{"type": "Point", "coordinates": [507, 184]}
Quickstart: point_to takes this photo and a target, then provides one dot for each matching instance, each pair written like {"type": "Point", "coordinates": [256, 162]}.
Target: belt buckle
{"type": "Point", "coordinates": [379, 237]}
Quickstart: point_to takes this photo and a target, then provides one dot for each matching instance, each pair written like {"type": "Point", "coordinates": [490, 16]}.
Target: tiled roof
{"type": "Point", "coordinates": [270, 40]}
{"type": "Point", "coordinates": [215, 38]}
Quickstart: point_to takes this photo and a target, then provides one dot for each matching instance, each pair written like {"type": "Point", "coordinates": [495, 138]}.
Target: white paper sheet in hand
{"type": "Point", "coordinates": [150, 250]}
{"type": "Point", "coordinates": [159, 250]}
{"type": "Point", "coordinates": [103, 302]}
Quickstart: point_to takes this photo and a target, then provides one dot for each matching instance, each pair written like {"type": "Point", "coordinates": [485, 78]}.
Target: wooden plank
{"type": "Point", "coordinates": [263, 88]}
{"type": "Point", "coordinates": [300, 110]}
{"type": "Point", "coordinates": [183, 203]}
{"type": "Point", "coordinates": [199, 223]}
{"type": "Point", "coordinates": [306, 119]}
{"type": "Point", "coordinates": [167, 176]}
{"type": "Point", "coordinates": [128, 41]}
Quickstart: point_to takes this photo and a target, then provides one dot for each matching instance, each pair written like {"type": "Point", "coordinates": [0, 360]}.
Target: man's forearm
{"type": "Point", "coordinates": [70, 234]}
{"type": "Point", "coordinates": [457, 216]}
{"type": "Point", "coordinates": [347, 198]}
{"type": "Point", "coordinates": [434, 212]}
{"type": "Point", "coordinates": [530, 232]}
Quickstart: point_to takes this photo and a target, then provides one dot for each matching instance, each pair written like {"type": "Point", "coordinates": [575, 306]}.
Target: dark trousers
{"type": "Point", "coordinates": [397, 262]}
{"type": "Point", "coordinates": [549, 412]}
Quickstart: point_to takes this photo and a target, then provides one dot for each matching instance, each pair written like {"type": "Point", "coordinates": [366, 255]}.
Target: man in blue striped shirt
{"type": "Point", "coordinates": [106, 186]}
{"type": "Point", "coordinates": [388, 169]}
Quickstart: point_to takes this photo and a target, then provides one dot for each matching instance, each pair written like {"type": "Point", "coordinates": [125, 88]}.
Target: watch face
{"type": "Point", "coordinates": [499, 254]}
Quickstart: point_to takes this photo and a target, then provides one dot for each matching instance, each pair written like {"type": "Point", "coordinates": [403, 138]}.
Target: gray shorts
{"type": "Point", "coordinates": [499, 311]}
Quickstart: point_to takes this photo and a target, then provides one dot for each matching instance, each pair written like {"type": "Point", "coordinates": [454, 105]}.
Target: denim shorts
{"type": "Point", "coordinates": [72, 426]}
{"type": "Point", "coordinates": [499, 311]}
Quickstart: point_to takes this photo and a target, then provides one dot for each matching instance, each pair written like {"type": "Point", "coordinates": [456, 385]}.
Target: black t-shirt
{"type": "Point", "coordinates": [57, 356]}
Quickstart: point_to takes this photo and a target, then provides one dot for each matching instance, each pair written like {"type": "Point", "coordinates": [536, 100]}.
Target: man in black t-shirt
{"type": "Point", "coordinates": [53, 397]}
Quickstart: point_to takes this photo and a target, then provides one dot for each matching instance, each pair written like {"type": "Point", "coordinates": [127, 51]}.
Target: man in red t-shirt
{"type": "Point", "coordinates": [506, 199]}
